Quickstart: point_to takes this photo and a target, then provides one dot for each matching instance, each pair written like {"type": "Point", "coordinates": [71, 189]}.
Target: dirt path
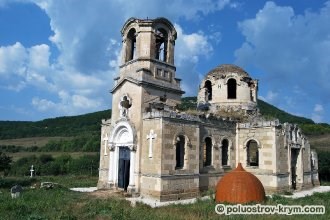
{"type": "Point", "coordinates": [104, 194]}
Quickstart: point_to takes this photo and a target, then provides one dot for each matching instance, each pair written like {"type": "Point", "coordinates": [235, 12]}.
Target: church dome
{"type": "Point", "coordinates": [225, 69]}
{"type": "Point", "coordinates": [239, 186]}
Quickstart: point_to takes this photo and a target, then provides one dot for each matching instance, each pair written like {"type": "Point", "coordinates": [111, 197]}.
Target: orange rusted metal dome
{"type": "Point", "coordinates": [239, 186]}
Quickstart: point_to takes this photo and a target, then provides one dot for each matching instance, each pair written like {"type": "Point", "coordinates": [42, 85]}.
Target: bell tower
{"type": "Point", "coordinates": [147, 60]}
{"type": "Point", "coordinates": [146, 83]}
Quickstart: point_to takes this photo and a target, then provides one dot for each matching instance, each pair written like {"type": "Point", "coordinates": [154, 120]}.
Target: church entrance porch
{"type": "Point", "coordinates": [122, 157]}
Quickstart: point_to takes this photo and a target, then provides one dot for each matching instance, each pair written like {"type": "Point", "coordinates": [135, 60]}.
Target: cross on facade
{"type": "Point", "coordinates": [105, 139]}
{"type": "Point", "coordinates": [151, 136]}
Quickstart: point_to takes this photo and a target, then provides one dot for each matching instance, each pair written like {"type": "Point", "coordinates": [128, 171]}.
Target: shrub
{"type": "Point", "coordinates": [324, 166]}
{"type": "Point", "coordinates": [9, 182]}
{"type": "Point", "coordinates": [47, 165]}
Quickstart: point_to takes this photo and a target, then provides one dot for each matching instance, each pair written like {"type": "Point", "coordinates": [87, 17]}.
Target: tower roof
{"type": "Point", "coordinates": [150, 22]}
{"type": "Point", "coordinates": [239, 186]}
{"type": "Point", "coordinates": [225, 69]}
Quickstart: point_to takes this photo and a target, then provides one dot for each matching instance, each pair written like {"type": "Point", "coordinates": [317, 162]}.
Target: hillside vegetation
{"type": "Point", "coordinates": [90, 123]}
{"type": "Point", "coordinates": [60, 139]}
{"type": "Point", "coordinates": [86, 130]}
{"type": "Point", "coordinates": [62, 126]}
{"type": "Point", "coordinates": [269, 111]}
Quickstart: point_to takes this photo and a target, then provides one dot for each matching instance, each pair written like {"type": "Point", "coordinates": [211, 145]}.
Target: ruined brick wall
{"type": "Point", "coordinates": [215, 90]}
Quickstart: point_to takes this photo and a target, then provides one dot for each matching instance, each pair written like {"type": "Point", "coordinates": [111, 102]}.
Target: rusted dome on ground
{"type": "Point", "coordinates": [225, 69]}
{"type": "Point", "coordinates": [239, 186]}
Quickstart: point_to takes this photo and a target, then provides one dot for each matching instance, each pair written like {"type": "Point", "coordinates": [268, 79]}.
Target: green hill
{"type": "Point", "coordinates": [267, 110]}
{"type": "Point", "coordinates": [62, 126]}
{"type": "Point", "coordinates": [270, 111]}
{"type": "Point", "coordinates": [90, 123]}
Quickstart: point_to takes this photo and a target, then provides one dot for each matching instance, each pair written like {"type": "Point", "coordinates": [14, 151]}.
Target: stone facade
{"type": "Point", "coordinates": [150, 148]}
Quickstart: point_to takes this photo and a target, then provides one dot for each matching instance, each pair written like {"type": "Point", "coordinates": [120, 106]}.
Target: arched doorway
{"type": "Point", "coordinates": [123, 167]}
{"type": "Point", "coordinates": [122, 156]}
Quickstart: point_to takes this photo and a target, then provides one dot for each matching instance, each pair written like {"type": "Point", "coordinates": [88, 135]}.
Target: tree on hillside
{"type": "Point", "coordinates": [5, 162]}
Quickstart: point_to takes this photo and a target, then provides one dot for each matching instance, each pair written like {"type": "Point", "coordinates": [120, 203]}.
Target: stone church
{"type": "Point", "coordinates": [150, 148]}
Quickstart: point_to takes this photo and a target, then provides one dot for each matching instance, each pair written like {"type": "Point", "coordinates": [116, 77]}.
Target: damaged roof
{"type": "Point", "coordinates": [225, 69]}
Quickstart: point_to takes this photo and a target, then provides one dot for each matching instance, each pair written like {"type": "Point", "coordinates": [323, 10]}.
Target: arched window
{"type": "Point", "coordinates": [161, 45]}
{"type": "Point", "coordinates": [207, 156]}
{"type": "Point", "coordinates": [231, 89]}
{"type": "Point", "coordinates": [131, 45]}
{"type": "Point", "coordinates": [179, 152]}
{"type": "Point", "coordinates": [252, 153]}
{"type": "Point", "coordinates": [224, 152]}
{"type": "Point", "coordinates": [208, 90]}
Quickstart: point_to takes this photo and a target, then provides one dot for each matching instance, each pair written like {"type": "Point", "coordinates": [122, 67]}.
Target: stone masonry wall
{"type": "Point", "coordinates": [104, 156]}
{"type": "Point", "coordinates": [159, 177]}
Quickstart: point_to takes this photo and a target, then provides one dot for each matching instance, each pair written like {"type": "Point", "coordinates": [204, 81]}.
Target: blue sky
{"type": "Point", "coordinates": [59, 57]}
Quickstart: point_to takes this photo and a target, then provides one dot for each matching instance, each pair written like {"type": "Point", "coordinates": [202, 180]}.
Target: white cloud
{"type": "Point", "coordinates": [43, 104]}
{"type": "Point", "coordinates": [318, 108]}
{"type": "Point", "coordinates": [288, 47]}
{"type": "Point", "coordinates": [318, 113]}
{"type": "Point", "coordinates": [86, 35]}
{"type": "Point", "coordinates": [39, 57]}
{"type": "Point", "coordinates": [84, 102]}
{"type": "Point", "coordinates": [68, 104]}
{"type": "Point", "coordinates": [23, 66]}
{"type": "Point", "coordinates": [270, 97]}
{"type": "Point", "coordinates": [194, 8]}
{"type": "Point", "coordinates": [290, 51]}
{"type": "Point", "coordinates": [236, 5]}
{"type": "Point", "coordinates": [12, 59]}
{"type": "Point", "coordinates": [16, 87]}
{"type": "Point", "coordinates": [189, 47]}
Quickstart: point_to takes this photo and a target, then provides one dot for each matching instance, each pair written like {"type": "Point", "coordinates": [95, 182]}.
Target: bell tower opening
{"type": "Point", "coordinates": [161, 44]}
{"type": "Point", "coordinates": [131, 45]}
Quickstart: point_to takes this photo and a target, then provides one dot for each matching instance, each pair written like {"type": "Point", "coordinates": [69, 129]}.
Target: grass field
{"type": "Point", "coordinates": [62, 203]}
{"type": "Point", "coordinates": [32, 141]}
{"type": "Point", "coordinates": [320, 142]}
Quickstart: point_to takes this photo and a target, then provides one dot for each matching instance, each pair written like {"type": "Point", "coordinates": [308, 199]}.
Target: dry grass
{"type": "Point", "coordinates": [32, 141]}
{"type": "Point", "coordinates": [320, 142]}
